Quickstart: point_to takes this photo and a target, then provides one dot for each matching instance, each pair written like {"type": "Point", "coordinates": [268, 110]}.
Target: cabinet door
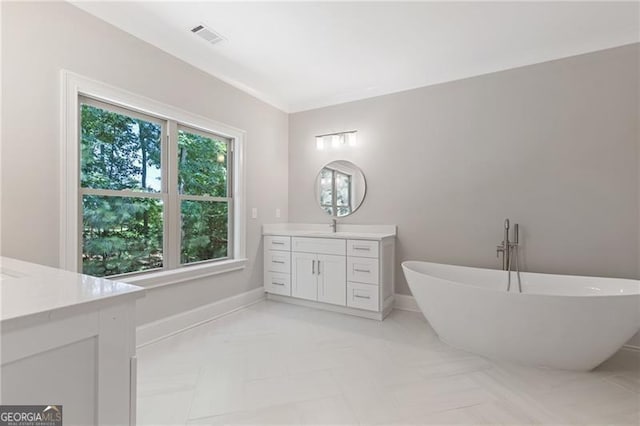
{"type": "Point", "coordinates": [304, 270]}
{"type": "Point", "coordinates": [332, 279]}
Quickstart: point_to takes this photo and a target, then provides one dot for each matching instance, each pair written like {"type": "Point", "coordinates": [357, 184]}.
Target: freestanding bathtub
{"type": "Point", "coordinates": [558, 321]}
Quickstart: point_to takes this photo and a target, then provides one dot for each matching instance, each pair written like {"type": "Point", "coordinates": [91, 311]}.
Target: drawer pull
{"type": "Point", "coordinates": [280, 243]}
{"type": "Point", "coordinates": [361, 248]}
{"type": "Point", "coordinates": [362, 270]}
{"type": "Point", "coordinates": [278, 261]}
{"type": "Point", "coordinates": [361, 297]}
{"type": "Point", "coordinates": [275, 283]}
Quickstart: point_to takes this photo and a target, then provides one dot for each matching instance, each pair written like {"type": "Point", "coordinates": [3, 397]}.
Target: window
{"type": "Point", "coordinates": [204, 195]}
{"type": "Point", "coordinates": [122, 190]}
{"type": "Point", "coordinates": [138, 197]}
{"type": "Point", "coordinates": [155, 194]}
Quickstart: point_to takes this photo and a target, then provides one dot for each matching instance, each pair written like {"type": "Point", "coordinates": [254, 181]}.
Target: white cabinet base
{"type": "Point", "coordinates": [82, 361]}
{"type": "Point", "coordinates": [387, 307]}
{"type": "Point", "coordinates": [350, 271]}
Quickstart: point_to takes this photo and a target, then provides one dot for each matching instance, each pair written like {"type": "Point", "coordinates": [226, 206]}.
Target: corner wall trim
{"type": "Point", "coordinates": [166, 327]}
{"type": "Point", "coordinates": [405, 302]}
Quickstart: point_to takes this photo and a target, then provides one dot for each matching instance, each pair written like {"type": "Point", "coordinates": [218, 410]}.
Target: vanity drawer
{"type": "Point", "coordinates": [277, 283]}
{"type": "Point", "coordinates": [277, 243]}
{"type": "Point", "coordinates": [362, 270]}
{"type": "Point", "coordinates": [362, 248]}
{"type": "Point", "coordinates": [277, 261]}
{"type": "Point", "coordinates": [319, 245]}
{"type": "Point", "coordinates": [362, 296]}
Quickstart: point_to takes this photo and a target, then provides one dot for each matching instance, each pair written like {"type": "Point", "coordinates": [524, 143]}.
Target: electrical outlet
{"type": "Point", "coordinates": [254, 213]}
{"type": "Point", "coordinates": [277, 212]}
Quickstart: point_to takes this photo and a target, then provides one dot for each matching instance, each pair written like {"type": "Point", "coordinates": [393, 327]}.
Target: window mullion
{"type": "Point", "coordinates": [230, 203]}
{"type": "Point", "coordinates": [120, 193]}
{"type": "Point", "coordinates": [172, 224]}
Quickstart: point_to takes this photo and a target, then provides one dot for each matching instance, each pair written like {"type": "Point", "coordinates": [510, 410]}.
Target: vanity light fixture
{"type": "Point", "coordinates": [336, 140]}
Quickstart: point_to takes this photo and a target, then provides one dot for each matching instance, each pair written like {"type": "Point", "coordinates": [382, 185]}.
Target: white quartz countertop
{"type": "Point", "coordinates": [343, 231]}
{"type": "Point", "coordinates": [28, 290]}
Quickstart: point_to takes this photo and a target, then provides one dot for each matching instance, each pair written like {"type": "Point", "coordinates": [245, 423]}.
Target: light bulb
{"type": "Point", "coordinates": [351, 138]}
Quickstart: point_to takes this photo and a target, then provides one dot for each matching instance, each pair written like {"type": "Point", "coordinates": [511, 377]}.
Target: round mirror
{"type": "Point", "coordinates": [340, 188]}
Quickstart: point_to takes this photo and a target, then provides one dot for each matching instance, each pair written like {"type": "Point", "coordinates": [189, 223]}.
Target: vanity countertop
{"type": "Point", "coordinates": [344, 231]}
{"type": "Point", "coordinates": [29, 290]}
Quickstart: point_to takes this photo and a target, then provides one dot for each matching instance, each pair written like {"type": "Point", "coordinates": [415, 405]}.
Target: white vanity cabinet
{"type": "Point", "coordinates": [68, 339]}
{"type": "Point", "coordinates": [277, 265]}
{"type": "Point", "coordinates": [363, 275]}
{"type": "Point", "coordinates": [350, 271]}
{"type": "Point", "coordinates": [318, 270]}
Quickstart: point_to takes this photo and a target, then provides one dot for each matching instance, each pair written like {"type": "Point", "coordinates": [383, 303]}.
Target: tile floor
{"type": "Point", "coordinates": [275, 363]}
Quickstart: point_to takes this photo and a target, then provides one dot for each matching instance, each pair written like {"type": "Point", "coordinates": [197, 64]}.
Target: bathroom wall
{"type": "Point", "coordinates": [551, 146]}
{"type": "Point", "coordinates": [40, 39]}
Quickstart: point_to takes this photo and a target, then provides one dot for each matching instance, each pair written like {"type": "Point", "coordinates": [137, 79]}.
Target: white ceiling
{"type": "Point", "coordinates": [304, 55]}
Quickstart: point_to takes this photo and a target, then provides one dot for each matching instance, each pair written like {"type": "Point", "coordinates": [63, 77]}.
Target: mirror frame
{"type": "Point", "coordinates": [317, 188]}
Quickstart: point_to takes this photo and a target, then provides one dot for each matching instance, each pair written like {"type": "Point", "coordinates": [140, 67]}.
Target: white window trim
{"type": "Point", "coordinates": [73, 85]}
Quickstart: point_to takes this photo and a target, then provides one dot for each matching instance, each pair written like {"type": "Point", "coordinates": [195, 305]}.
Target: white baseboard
{"type": "Point", "coordinates": [405, 302]}
{"type": "Point", "coordinates": [163, 328]}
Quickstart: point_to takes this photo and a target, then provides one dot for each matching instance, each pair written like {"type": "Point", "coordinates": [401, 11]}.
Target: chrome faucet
{"type": "Point", "coordinates": [509, 250]}
{"type": "Point", "coordinates": [333, 225]}
{"type": "Point", "coordinates": [504, 247]}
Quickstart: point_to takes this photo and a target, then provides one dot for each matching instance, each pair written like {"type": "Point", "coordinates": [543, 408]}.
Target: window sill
{"type": "Point", "coordinates": [187, 273]}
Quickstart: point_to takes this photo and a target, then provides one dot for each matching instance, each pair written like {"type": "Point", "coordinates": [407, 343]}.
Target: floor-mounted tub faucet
{"type": "Point", "coordinates": [504, 247]}
{"type": "Point", "coordinates": [509, 250]}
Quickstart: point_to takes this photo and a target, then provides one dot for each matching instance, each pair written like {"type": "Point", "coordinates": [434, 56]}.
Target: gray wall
{"type": "Point", "coordinates": [39, 39]}
{"type": "Point", "coordinates": [552, 146]}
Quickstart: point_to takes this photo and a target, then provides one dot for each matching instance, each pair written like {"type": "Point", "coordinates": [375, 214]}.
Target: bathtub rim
{"type": "Point", "coordinates": [515, 293]}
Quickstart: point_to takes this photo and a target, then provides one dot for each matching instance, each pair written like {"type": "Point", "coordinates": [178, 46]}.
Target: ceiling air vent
{"type": "Point", "coordinates": [207, 34]}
